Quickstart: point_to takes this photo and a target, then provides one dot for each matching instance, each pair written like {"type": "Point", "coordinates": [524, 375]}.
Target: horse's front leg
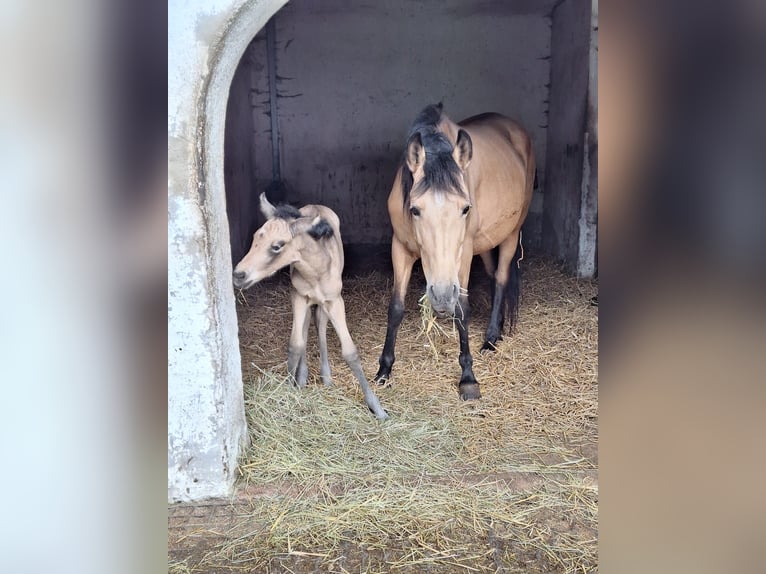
{"type": "Point", "coordinates": [402, 261]}
{"type": "Point", "coordinates": [296, 350]}
{"type": "Point", "coordinates": [469, 386]}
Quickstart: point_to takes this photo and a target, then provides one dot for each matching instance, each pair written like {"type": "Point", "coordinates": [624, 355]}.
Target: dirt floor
{"type": "Point", "coordinates": [504, 484]}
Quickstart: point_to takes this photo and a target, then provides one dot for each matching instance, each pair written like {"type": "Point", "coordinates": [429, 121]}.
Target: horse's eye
{"type": "Point", "coordinates": [414, 211]}
{"type": "Point", "coordinates": [277, 247]}
{"type": "Point", "coordinates": [466, 209]}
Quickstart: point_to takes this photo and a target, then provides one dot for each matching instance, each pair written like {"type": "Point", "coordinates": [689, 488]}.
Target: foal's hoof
{"type": "Point", "coordinates": [469, 391]}
{"type": "Point", "coordinates": [383, 416]}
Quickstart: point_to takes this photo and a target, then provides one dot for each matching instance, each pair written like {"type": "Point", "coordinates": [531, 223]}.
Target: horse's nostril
{"type": "Point", "coordinates": [239, 275]}
{"type": "Point", "coordinates": [454, 290]}
{"type": "Point", "coordinates": [431, 291]}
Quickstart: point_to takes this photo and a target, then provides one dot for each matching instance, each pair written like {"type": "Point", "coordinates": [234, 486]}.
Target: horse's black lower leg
{"type": "Point", "coordinates": [469, 386]}
{"type": "Point", "coordinates": [387, 358]}
{"type": "Point", "coordinates": [496, 317]}
{"type": "Point", "coordinates": [505, 299]}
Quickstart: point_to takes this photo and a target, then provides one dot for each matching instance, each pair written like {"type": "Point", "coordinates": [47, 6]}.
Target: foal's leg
{"type": "Point", "coordinates": [403, 261]}
{"type": "Point", "coordinates": [296, 349]}
{"type": "Point", "coordinates": [324, 369]}
{"type": "Point", "coordinates": [469, 386]}
{"type": "Point", "coordinates": [497, 316]}
{"type": "Point", "coordinates": [337, 313]}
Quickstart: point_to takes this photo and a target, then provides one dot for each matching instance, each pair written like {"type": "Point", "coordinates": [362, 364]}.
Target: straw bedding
{"type": "Point", "coordinates": [504, 484]}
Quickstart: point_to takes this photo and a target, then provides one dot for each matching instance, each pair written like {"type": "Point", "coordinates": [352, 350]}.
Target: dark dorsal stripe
{"type": "Point", "coordinates": [440, 170]}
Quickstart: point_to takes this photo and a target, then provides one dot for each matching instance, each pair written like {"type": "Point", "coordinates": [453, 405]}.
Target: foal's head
{"type": "Point", "coordinates": [277, 243]}
{"type": "Point", "coordinates": [438, 204]}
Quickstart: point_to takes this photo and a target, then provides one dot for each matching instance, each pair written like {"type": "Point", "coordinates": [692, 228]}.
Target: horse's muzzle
{"type": "Point", "coordinates": [443, 298]}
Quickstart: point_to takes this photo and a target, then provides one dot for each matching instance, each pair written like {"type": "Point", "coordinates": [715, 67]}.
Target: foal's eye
{"type": "Point", "coordinates": [466, 209]}
{"type": "Point", "coordinates": [414, 211]}
{"type": "Point", "coordinates": [277, 247]}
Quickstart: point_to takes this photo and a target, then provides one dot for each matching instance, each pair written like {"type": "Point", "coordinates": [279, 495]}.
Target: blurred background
{"type": "Point", "coordinates": [682, 334]}
{"type": "Point", "coordinates": [682, 179]}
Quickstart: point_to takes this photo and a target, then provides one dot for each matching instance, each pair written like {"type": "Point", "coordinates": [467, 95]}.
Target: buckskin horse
{"type": "Point", "coordinates": [308, 240]}
{"type": "Point", "coordinates": [461, 190]}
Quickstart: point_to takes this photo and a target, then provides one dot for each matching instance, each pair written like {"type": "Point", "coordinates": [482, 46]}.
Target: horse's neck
{"type": "Point", "coordinates": [313, 263]}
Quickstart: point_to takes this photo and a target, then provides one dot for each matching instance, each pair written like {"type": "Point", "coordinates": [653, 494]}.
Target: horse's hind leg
{"type": "Point", "coordinates": [337, 313]}
{"type": "Point", "coordinates": [499, 293]}
{"type": "Point", "coordinates": [324, 369]}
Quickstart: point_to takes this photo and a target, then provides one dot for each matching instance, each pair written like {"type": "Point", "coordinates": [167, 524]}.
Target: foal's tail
{"type": "Point", "coordinates": [513, 287]}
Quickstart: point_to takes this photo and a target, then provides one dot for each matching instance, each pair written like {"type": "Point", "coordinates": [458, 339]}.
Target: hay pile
{"type": "Point", "coordinates": [507, 483]}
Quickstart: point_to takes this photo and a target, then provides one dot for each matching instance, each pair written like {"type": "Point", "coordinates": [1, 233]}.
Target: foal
{"type": "Point", "coordinates": [308, 240]}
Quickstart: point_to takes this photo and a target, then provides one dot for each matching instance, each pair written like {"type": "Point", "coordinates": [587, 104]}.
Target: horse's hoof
{"type": "Point", "coordinates": [381, 379]}
{"type": "Point", "coordinates": [488, 347]}
{"type": "Point", "coordinates": [469, 391]}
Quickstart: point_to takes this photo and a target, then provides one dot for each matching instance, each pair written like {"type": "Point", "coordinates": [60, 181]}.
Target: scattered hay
{"type": "Point", "coordinates": [507, 483]}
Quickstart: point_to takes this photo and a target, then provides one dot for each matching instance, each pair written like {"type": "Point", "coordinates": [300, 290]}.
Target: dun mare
{"type": "Point", "coordinates": [462, 190]}
{"type": "Point", "coordinates": [308, 240]}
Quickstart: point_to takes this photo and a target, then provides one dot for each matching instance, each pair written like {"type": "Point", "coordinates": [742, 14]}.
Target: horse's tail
{"type": "Point", "coordinates": [513, 287]}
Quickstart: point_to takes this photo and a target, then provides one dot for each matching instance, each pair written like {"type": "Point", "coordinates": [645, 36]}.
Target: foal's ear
{"type": "Point", "coordinates": [320, 229]}
{"type": "Point", "coordinates": [267, 209]}
{"type": "Point", "coordinates": [317, 227]}
{"type": "Point", "coordinates": [463, 151]}
{"type": "Point", "coordinates": [416, 153]}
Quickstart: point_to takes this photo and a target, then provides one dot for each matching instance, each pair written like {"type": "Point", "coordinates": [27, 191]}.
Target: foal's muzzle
{"type": "Point", "coordinates": [443, 298]}
{"type": "Point", "coordinates": [240, 279]}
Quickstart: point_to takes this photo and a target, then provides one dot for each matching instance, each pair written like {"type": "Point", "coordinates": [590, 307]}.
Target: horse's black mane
{"type": "Point", "coordinates": [440, 170]}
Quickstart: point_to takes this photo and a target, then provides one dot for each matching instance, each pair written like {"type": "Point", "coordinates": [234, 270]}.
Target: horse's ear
{"type": "Point", "coordinates": [267, 209]}
{"type": "Point", "coordinates": [463, 151]}
{"type": "Point", "coordinates": [416, 153]}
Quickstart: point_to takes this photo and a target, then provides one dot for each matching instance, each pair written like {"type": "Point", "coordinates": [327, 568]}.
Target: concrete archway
{"type": "Point", "coordinates": [206, 420]}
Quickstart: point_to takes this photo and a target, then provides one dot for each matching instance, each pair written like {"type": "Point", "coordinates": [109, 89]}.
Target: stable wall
{"type": "Point", "coordinates": [351, 77]}
{"type": "Point", "coordinates": [570, 198]}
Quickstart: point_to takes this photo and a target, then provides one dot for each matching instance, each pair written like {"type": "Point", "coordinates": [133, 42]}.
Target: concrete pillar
{"type": "Point", "coordinates": [206, 421]}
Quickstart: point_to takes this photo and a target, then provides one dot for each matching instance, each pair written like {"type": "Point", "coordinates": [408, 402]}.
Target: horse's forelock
{"type": "Point", "coordinates": [440, 170]}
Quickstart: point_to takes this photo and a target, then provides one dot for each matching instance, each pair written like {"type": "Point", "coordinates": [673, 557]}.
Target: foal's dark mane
{"type": "Point", "coordinates": [440, 170]}
{"type": "Point", "coordinates": [286, 211]}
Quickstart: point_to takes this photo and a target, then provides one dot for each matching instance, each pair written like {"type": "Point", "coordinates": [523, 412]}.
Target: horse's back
{"type": "Point", "coordinates": [494, 127]}
{"type": "Point", "coordinates": [501, 174]}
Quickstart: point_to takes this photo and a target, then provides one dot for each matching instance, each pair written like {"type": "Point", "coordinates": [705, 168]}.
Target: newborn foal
{"type": "Point", "coordinates": [308, 240]}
